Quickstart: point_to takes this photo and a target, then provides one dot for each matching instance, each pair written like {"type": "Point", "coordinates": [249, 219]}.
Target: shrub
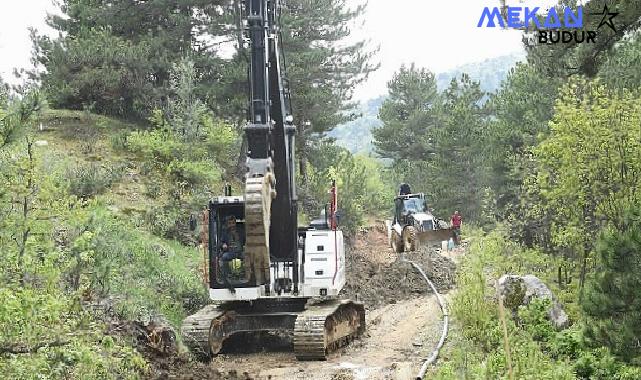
{"type": "Point", "coordinates": [612, 301]}
{"type": "Point", "coordinates": [145, 275]}
{"type": "Point", "coordinates": [58, 340]}
{"type": "Point", "coordinates": [118, 140]}
{"type": "Point", "coordinates": [538, 351]}
{"type": "Point", "coordinates": [88, 180]}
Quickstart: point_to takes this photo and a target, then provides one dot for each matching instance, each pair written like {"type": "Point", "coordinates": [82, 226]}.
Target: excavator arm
{"type": "Point", "coordinates": [270, 191]}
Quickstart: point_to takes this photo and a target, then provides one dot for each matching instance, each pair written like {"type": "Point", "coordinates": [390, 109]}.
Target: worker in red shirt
{"type": "Point", "coordinates": [455, 222]}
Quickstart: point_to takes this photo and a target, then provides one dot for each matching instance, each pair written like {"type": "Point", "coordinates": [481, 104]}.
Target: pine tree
{"type": "Point", "coordinates": [612, 300]}
{"type": "Point", "coordinates": [116, 56]}
{"type": "Point", "coordinates": [410, 116]}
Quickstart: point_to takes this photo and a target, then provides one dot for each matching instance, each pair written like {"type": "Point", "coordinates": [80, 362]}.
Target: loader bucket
{"type": "Point", "coordinates": [435, 237]}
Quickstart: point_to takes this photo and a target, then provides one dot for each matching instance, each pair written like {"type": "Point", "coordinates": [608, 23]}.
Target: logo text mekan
{"type": "Point", "coordinates": [521, 17]}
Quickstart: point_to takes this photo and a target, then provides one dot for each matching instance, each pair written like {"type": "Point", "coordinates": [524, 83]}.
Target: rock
{"type": "Point", "coordinates": [41, 143]}
{"type": "Point", "coordinates": [521, 290]}
{"type": "Point", "coordinates": [511, 289]}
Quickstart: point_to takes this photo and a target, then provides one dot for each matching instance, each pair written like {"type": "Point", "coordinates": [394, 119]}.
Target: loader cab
{"type": "Point", "coordinates": [408, 205]}
{"type": "Point", "coordinates": [225, 215]}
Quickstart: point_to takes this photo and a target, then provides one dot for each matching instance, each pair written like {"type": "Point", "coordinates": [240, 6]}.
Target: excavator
{"type": "Point", "coordinates": [280, 277]}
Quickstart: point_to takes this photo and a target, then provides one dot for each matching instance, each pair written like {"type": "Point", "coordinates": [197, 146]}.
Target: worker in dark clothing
{"type": "Point", "coordinates": [455, 222]}
{"type": "Point", "coordinates": [231, 248]}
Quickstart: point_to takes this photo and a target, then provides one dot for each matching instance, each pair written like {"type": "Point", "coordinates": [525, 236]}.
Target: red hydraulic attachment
{"type": "Point", "coordinates": [333, 207]}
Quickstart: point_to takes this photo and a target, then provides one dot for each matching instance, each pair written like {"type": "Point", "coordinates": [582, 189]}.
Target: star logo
{"type": "Point", "coordinates": [607, 18]}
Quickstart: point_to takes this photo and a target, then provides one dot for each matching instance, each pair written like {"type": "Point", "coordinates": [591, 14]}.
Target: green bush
{"type": "Point", "coordinates": [193, 173]}
{"type": "Point", "coordinates": [154, 189]}
{"type": "Point", "coordinates": [88, 180]}
{"type": "Point", "coordinates": [612, 303]}
{"type": "Point", "coordinates": [51, 337]}
{"type": "Point", "coordinates": [145, 274]}
{"type": "Point", "coordinates": [164, 221]}
{"type": "Point", "coordinates": [362, 192]}
{"type": "Point", "coordinates": [538, 350]}
{"type": "Point", "coordinates": [118, 140]}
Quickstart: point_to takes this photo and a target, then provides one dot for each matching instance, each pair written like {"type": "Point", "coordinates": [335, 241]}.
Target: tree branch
{"type": "Point", "coordinates": [30, 350]}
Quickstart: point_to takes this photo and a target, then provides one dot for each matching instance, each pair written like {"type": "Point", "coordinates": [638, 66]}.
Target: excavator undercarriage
{"type": "Point", "coordinates": [318, 329]}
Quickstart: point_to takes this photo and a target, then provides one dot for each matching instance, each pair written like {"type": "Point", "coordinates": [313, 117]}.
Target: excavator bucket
{"type": "Point", "coordinates": [434, 237]}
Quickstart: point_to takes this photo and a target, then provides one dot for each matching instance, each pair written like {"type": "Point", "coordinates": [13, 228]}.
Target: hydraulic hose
{"type": "Point", "coordinates": [443, 305]}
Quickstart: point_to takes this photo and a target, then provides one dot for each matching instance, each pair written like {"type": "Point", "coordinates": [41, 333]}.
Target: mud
{"type": "Point", "coordinates": [376, 282]}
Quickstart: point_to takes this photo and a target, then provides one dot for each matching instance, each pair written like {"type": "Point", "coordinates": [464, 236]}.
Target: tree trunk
{"type": "Point", "coordinates": [583, 273]}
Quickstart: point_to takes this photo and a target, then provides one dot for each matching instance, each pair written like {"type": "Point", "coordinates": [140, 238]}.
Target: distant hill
{"type": "Point", "coordinates": [356, 135]}
{"type": "Point", "coordinates": [490, 73]}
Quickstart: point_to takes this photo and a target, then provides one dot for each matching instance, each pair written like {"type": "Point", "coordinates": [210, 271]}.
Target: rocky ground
{"type": "Point", "coordinates": [403, 325]}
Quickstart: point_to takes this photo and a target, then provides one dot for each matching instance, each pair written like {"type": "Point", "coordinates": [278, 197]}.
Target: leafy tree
{"type": "Point", "coordinates": [25, 197]}
{"type": "Point", "coordinates": [322, 68]}
{"type": "Point", "coordinates": [521, 109]}
{"type": "Point", "coordinates": [618, 70]}
{"type": "Point", "coordinates": [588, 168]}
{"type": "Point", "coordinates": [564, 59]}
{"type": "Point", "coordinates": [116, 56]}
{"type": "Point", "coordinates": [612, 302]}
{"type": "Point", "coordinates": [409, 115]}
{"type": "Point", "coordinates": [99, 71]}
{"type": "Point", "coordinates": [362, 189]}
{"type": "Point", "coordinates": [458, 173]}
{"type": "Point", "coordinates": [434, 138]}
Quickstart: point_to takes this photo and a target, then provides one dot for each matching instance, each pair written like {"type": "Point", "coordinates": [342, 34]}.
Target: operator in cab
{"type": "Point", "coordinates": [231, 249]}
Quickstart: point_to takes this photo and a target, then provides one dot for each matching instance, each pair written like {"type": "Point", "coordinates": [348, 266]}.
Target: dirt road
{"type": "Point", "coordinates": [398, 336]}
{"type": "Point", "coordinates": [403, 325]}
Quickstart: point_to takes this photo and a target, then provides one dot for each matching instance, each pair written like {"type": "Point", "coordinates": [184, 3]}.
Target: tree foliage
{"type": "Point", "coordinates": [588, 167]}
{"type": "Point", "coordinates": [612, 302]}
{"type": "Point", "coordinates": [361, 182]}
{"type": "Point", "coordinates": [116, 56]}
{"type": "Point", "coordinates": [409, 116]}
{"type": "Point", "coordinates": [433, 138]}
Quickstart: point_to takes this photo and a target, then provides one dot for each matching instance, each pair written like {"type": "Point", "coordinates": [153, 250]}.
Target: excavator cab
{"type": "Point", "coordinates": [228, 261]}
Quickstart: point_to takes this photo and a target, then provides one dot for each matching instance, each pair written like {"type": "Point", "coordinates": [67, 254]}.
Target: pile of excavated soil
{"type": "Point", "coordinates": [376, 283]}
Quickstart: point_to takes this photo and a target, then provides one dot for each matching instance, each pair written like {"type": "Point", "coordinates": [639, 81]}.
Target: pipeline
{"type": "Point", "coordinates": [432, 358]}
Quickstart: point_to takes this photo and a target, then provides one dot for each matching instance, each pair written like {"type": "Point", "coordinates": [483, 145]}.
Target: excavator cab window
{"type": "Point", "coordinates": [227, 246]}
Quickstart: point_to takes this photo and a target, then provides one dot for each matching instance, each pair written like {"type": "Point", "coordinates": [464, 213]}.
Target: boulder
{"type": "Point", "coordinates": [521, 290]}
{"type": "Point", "coordinates": [511, 289]}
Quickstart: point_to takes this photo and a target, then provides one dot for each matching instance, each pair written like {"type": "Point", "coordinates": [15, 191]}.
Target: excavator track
{"type": "Point", "coordinates": [324, 328]}
{"type": "Point", "coordinates": [195, 330]}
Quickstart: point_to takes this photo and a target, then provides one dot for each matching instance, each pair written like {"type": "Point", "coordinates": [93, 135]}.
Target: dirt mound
{"type": "Point", "coordinates": [376, 283]}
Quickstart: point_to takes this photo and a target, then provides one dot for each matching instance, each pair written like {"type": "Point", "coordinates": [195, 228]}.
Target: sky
{"type": "Point", "coordinates": [433, 36]}
{"type": "Point", "coordinates": [16, 16]}
{"type": "Point", "coordinates": [438, 37]}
